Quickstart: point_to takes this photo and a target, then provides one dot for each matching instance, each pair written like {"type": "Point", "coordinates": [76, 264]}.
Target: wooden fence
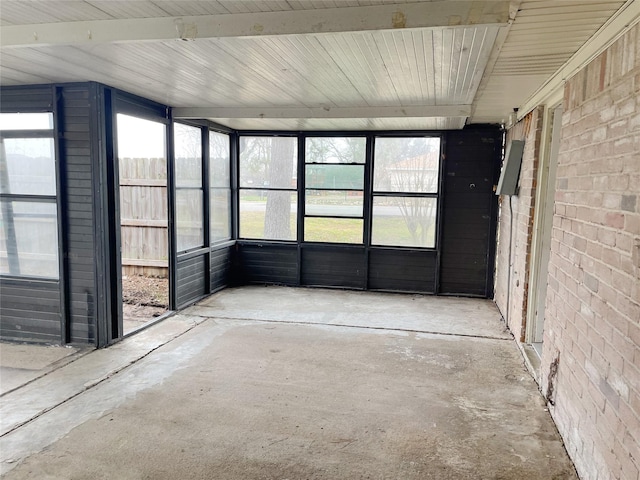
{"type": "Point", "coordinates": [143, 216]}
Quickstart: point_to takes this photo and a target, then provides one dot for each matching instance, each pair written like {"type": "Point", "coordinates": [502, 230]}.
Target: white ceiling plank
{"type": "Point", "coordinates": [274, 74]}
{"type": "Point", "coordinates": [128, 9]}
{"type": "Point", "coordinates": [234, 72]}
{"type": "Point", "coordinates": [20, 12]}
{"type": "Point", "coordinates": [570, 7]}
{"type": "Point", "coordinates": [439, 13]}
{"type": "Point", "coordinates": [346, 124]}
{"type": "Point", "coordinates": [545, 4]}
{"type": "Point", "coordinates": [324, 112]}
{"type": "Point", "coordinates": [312, 71]}
{"type": "Point", "coordinates": [560, 18]}
{"type": "Point", "coordinates": [186, 7]}
{"type": "Point", "coordinates": [16, 77]}
{"type": "Point", "coordinates": [622, 21]}
{"type": "Point", "coordinates": [396, 69]}
{"type": "Point", "coordinates": [496, 55]}
{"type": "Point", "coordinates": [352, 61]}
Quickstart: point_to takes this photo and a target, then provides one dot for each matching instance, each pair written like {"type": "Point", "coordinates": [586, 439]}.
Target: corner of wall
{"type": "Point", "coordinates": [515, 228]}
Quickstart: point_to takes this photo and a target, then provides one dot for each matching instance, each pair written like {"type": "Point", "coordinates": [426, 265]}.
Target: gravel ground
{"type": "Point", "coordinates": [143, 299]}
{"type": "Point", "coordinates": [145, 291]}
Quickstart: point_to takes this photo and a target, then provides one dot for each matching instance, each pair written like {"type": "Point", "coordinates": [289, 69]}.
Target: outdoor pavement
{"type": "Point", "coordinates": [284, 383]}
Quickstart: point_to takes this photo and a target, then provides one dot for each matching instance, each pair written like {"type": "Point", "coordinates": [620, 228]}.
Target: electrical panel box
{"type": "Point", "coordinates": [508, 184]}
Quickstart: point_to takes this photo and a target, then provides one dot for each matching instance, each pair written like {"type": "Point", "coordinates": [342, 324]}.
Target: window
{"type": "Point", "coordinates": [405, 191]}
{"type": "Point", "coordinates": [334, 189]}
{"type": "Point", "coordinates": [142, 170]}
{"type": "Point", "coordinates": [220, 187]}
{"type": "Point", "coordinates": [28, 209]}
{"type": "Point", "coordinates": [268, 183]}
{"type": "Point", "coordinates": [189, 187]}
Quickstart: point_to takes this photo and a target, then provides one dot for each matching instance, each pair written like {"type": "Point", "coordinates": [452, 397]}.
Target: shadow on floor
{"type": "Point", "coordinates": [266, 383]}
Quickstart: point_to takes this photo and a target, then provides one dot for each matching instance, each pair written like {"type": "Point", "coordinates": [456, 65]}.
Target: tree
{"type": "Point", "coordinates": [277, 223]}
{"type": "Point", "coordinates": [267, 163]}
{"type": "Point", "coordinates": [410, 165]}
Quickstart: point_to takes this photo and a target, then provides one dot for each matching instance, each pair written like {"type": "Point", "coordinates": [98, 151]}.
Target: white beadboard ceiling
{"type": "Point", "coordinates": [305, 64]}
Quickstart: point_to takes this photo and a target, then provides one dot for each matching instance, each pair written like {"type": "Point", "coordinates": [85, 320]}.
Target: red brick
{"type": "Point", "coordinates": [615, 220]}
{"type": "Point", "coordinates": [593, 302]}
{"type": "Point", "coordinates": [632, 224]}
{"type": "Point", "coordinates": [629, 418]}
{"type": "Point", "coordinates": [622, 282]}
{"type": "Point", "coordinates": [607, 237]}
{"type": "Point", "coordinates": [626, 107]}
{"type": "Point", "coordinates": [607, 114]}
{"type": "Point", "coordinates": [623, 345]}
{"type": "Point", "coordinates": [618, 182]}
{"type": "Point", "coordinates": [622, 146]}
{"type": "Point", "coordinates": [611, 200]}
{"type": "Point", "coordinates": [618, 129]}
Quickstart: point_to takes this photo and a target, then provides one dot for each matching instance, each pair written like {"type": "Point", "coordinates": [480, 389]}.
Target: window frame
{"type": "Point", "coordinates": [202, 188]}
{"type": "Point", "coordinates": [50, 133]}
{"type": "Point", "coordinates": [407, 194]}
{"type": "Point", "coordinates": [213, 188]}
{"type": "Point", "coordinates": [304, 190]}
{"type": "Point", "coordinates": [295, 190]}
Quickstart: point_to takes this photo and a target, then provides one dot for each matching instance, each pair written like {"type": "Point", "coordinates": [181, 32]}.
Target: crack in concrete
{"type": "Point", "coordinates": [97, 382]}
{"type": "Point", "coordinates": [72, 358]}
{"type": "Point", "coordinates": [366, 327]}
{"type": "Point", "coordinates": [233, 319]}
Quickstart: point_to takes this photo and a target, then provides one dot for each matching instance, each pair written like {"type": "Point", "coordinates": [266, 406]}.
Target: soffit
{"type": "Point", "coordinates": [544, 35]}
{"type": "Point", "coordinates": [485, 70]}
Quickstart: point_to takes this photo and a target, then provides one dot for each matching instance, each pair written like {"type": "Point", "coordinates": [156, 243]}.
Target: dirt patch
{"type": "Point", "coordinates": [145, 291]}
{"type": "Point", "coordinates": [143, 299]}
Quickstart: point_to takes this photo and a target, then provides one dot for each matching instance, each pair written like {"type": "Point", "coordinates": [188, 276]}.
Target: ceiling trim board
{"type": "Point", "coordinates": [439, 13]}
{"type": "Point", "coordinates": [422, 111]}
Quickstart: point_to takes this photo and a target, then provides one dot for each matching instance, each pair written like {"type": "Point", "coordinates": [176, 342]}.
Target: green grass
{"type": "Point", "coordinates": [252, 225]}
{"type": "Point", "coordinates": [394, 231]}
{"type": "Point", "coordinates": [342, 230]}
{"type": "Point", "coordinates": [387, 230]}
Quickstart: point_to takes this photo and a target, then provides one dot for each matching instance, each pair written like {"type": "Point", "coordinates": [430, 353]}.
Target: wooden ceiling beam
{"type": "Point", "coordinates": [437, 13]}
{"type": "Point", "coordinates": [414, 111]}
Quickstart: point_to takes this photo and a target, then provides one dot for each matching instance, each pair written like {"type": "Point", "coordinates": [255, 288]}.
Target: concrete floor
{"type": "Point", "coordinates": [281, 383]}
{"type": "Point", "coordinates": [21, 364]}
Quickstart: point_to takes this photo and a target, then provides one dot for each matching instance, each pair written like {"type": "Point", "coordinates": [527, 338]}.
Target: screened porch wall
{"type": "Point", "coordinates": [79, 307]}
{"type": "Point", "coordinates": [62, 310]}
{"type": "Point", "coordinates": [460, 263]}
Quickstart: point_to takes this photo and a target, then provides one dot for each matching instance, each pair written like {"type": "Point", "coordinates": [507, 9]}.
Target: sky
{"type": "Point", "coordinates": [139, 138]}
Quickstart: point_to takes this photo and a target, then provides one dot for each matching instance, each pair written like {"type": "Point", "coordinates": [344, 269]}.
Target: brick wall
{"type": "Point", "coordinates": [592, 317]}
{"type": "Point", "coordinates": [516, 228]}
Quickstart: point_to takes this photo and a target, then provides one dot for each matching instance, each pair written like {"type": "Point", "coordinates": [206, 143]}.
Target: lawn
{"type": "Point", "coordinates": [386, 230]}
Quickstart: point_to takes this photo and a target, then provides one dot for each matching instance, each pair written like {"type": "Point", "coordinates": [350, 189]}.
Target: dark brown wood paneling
{"type": "Point", "coordinates": [402, 270]}
{"type": "Point", "coordinates": [220, 267]}
{"type": "Point", "coordinates": [30, 310]}
{"type": "Point", "coordinates": [469, 210]}
{"type": "Point", "coordinates": [191, 279]}
{"type": "Point", "coordinates": [32, 98]}
{"type": "Point", "coordinates": [334, 266]}
{"type": "Point", "coordinates": [266, 264]}
{"type": "Point", "coordinates": [78, 197]}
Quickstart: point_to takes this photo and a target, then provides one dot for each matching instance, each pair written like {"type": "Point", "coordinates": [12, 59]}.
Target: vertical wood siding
{"type": "Point", "coordinates": [75, 150]}
{"type": "Point", "coordinates": [469, 211]}
{"type": "Point", "coordinates": [191, 279]}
